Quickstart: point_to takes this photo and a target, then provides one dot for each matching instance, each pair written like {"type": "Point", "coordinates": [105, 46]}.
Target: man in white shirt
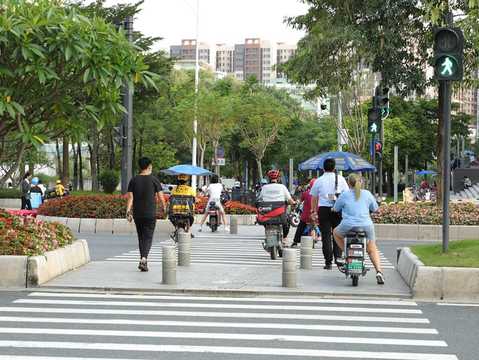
{"type": "Point", "coordinates": [275, 192]}
{"type": "Point", "coordinates": [214, 191]}
{"type": "Point", "coordinates": [324, 193]}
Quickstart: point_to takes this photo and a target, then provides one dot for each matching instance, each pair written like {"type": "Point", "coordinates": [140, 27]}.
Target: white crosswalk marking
{"type": "Point", "coordinates": [99, 326]}
{"type": "Point", "coordinates": [230, 250]}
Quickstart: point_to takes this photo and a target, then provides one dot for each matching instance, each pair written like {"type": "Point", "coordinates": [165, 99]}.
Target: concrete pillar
{"type": "Point", "coordinates": [233, 225]}
{"type": "Point", "coordinates": [184, 248]}
{"type": "Point", "coordinates": [306, 258]}
{"type": "Point", "coordinates": [289, 268]}
{"type": "Point", "coordinates": [168, 264]}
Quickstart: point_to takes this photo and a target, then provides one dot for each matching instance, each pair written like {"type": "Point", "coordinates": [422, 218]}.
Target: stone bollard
{"type": "Point", "coordinates": [184, 248]}
{"type": "Point", "coordinates": [306, 258]}
{"type": "Point", "coordinates": [233, 225]}
{"type": "Point", "coordinates": [289, 267]}
{"type": "Point", "coordinates": [168, 264]}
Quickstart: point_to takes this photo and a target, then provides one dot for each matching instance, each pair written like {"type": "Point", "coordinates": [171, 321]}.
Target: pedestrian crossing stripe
{"type": "Point", "coordinates": [217, 326]}
{"type": "Point", "coordinates": [316, 300]}
{"type": "Point", "coordinates": [213, 324]}
{"type": "Point", "coordinates": [292, 352]}
{"type": "Point", "coordinates": [248, 252]}
{"type": "Point", "coordinates": [219, 306]}
{"type": "Point", "coordinates": [224, 336]}
{"type": "Point", "coordinates": [215, 314]}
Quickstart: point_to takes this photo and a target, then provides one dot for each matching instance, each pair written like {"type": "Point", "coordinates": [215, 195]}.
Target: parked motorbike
{"type": "Point", "coordinates": [213, 216]}
{"type": "Point", "coordinates": [354, 255]}
{"type": "Point", "coordinates": [272, 215]}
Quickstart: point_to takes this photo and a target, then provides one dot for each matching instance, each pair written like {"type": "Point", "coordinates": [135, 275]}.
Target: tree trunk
{"type": "Point", "coordinates": [66, 161]}
{"type": "Point", "coordinates": [93, 148]}
{"type": "Point", "coordinates": [260, 168]}
{"type": "Point", "coordinates": [59, 160]}
{"type": "Point", "coordinates": [31, 168]}
{"type": "Point", "coordinates": [15, 166]}
{"type": "Point", "coordinates": [80, 166]}
{"type": "Point", "coordinates": [75, 168]}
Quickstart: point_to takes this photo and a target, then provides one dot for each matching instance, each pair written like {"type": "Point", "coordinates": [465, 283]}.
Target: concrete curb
{"type": "Point", "coordinates": [222, 292]}
{"type": "Point", "coordinates": [413, 232]}
{"type": "Point", "coordinates": [10, 203]}
{"type": "Point", "coordinates": [438, 283]}
{"type": "Point", "coordinates": [24, 271]}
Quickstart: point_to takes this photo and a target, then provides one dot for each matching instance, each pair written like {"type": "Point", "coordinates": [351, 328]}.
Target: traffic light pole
{"type": "Point", "coordinates": [373, 159]}
{"type": "Point", "coordinates": [127, 123]}
{"type": "Point", "coordinates": [445, 93]}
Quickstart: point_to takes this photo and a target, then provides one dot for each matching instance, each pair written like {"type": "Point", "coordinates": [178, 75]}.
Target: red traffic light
{"type": "Point", "coordinates": [378, 147]}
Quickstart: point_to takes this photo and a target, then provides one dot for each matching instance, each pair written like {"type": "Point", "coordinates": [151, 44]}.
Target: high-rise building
{"type": "Point", "coordinates": [467, 100]}
{"type": "Point", "coordinates": [284, 52]}
{"type": "Point", "coordinates": [225, 58]}
{"type": "Point", "coordinates": [187, 51]}
{"type": "Point", "coordinates": [238, 63]}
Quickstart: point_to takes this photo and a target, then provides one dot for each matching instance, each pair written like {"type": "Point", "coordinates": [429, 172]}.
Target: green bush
{"type": "Point", "coordinates": [109, 180]}
{"type": "Point", "coordinates": [46, 179]}
{"type": "Point", "coordinates": [10, 194]}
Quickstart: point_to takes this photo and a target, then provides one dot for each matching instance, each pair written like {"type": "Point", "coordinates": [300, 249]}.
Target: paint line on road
{"type": "Point", "coordinates": [219, 306]}
{"type": "Point", "coordinates": [235, 299]}
{"type": "Point", "coordinates": [226, 350]}
{"type": "Point", "coordinates": [226, 336]}
{"type": "Point", "coordinates": [458, 304]}
{"type": "Point", "coordinates": [213, 324]}
{"type": "Point", "coordinates": [225, 262]}
{"type": "Point", "coordinates": [214, 314]}
{"type": "Point", "coordinates": [27, 357]}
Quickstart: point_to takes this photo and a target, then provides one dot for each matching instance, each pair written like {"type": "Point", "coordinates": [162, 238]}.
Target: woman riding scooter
{"type": "Point", "coordinates": [356, 205]}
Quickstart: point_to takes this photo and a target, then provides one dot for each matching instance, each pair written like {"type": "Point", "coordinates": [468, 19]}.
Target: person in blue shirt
{"type": "Point", "coordinates": [356, 204]}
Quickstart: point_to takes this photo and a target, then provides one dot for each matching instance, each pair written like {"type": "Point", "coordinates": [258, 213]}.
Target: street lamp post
{"type": "Point", "coordinates": [197, 83]}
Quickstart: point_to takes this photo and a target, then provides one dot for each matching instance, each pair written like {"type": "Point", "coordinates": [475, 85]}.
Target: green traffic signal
{"type": "Point", "coordinates": [447, 66]}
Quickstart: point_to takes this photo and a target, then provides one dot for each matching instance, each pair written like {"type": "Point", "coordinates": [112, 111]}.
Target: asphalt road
{"type": "Point", "coordinates": [67, 326]}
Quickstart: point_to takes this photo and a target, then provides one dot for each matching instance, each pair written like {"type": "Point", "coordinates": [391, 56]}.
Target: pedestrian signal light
{"type": "Point", "coordinates": [374, 120]}
{"type": "Point", "coordinates": [448, 53]}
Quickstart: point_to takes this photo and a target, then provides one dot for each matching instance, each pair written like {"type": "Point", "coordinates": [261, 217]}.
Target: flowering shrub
{"type": "Point", "coordinates": [113, 207]}
{"type": "Point", "coordinates": [426, 214]}
{"type": "Point", "coordinates": [27, 236]}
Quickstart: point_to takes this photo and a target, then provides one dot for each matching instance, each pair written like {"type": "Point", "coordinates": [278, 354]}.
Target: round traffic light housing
{"type": "Point", "coordinates": [447, 66]}
{"type": "Point", "coordinates": [446, 40]}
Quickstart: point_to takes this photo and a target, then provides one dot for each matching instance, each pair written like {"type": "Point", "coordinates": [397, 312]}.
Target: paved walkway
{"type": "Point", "coordinates": [229, 263]}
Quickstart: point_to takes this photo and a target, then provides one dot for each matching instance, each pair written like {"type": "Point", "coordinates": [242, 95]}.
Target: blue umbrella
{"type": "Point", "coordinates": [425, 172]}
{"type": "Point", "coordinates": [345, 161]}
{"type": "Point", "coordinates": [187, 169]}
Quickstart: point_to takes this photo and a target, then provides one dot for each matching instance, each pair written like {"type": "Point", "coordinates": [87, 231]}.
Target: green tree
{"type": "Point", "coordinates": [58, 69]}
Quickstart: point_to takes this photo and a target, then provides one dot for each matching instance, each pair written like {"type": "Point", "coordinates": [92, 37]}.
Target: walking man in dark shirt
{"type": "Point", "coordinates": [144, 191]}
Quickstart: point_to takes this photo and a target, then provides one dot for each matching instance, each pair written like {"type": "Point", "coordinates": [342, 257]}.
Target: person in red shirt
{"type": "Point", "coordinates": [305, 214]}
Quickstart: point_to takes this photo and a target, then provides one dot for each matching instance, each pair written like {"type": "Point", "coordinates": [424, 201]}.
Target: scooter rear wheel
{"type": "Point", "coordinates": [355, 279]}
{"type": "Point", "coordinates": [280, 251]}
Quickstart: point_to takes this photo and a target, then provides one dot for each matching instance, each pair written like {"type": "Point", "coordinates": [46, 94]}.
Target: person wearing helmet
{"type": "Point", "coordinates": [183, 190]}
{"type": "Point", "coordinates": [276, 192]}
{"type": "Point", "coordinates": [59, 189]}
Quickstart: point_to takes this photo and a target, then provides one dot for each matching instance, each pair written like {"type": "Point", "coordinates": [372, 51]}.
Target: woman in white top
{"type": "Point", "coordinates": [214, 191]}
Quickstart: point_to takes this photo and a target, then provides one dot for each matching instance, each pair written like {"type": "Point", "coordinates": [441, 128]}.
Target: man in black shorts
{"type": "Point", "coordinates": [144, 191]}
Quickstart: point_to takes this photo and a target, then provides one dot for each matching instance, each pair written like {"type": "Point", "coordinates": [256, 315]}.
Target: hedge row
{"type": "Point", "coordinates": [113, 207]}
{"type": "Point", "coordinates": [10, 194]}
{"type": "Point", "coordinates": [27, 236]}
{"type": "Point", "coordinates": [426, 214]}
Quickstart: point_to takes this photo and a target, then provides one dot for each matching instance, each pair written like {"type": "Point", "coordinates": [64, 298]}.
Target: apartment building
{"type": "Point", "coordinates": [187, 51]}
{"type": "Point", "coordinates": [284, 52]}
{"type": "Point", "coordinates": [225, 56]}
{"type": "Point", "coordinates": [467, 100]}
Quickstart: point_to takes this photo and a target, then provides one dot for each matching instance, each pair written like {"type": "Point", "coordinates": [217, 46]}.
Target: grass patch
{"type": "Point", "coordinates": [462, 253]}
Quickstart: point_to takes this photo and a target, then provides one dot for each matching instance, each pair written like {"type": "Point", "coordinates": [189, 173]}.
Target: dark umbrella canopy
{"type": "Point", "coordinates": [426, 172]}
{"type": "Point", "coordinates": [345, 161]}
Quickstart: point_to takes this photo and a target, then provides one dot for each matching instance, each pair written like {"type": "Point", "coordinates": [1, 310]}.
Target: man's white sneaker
{"type": "Point", "coordinates": [227, 228]}
{"type": "Point", "coordinates": [380, 278]}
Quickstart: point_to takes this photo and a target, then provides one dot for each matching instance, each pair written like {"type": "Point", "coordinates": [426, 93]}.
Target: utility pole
{"type": "Point", "coordinates": [340, 123]}
{"type": "Point", "coordinates": [396, 172]}
{"type": "Point", "coordinates": [197, 83]}
{"type": "Point", "coordinates": [127, 122]}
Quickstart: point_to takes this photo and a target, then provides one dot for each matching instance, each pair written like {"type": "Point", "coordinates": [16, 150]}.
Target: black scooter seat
{"type": "Point", "coordinates": [355, 231]}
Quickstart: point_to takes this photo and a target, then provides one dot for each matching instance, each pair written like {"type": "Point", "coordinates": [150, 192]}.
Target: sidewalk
{"type": "Point", "coordinates": [211, 278]}
{"type": "Point", "coordinates": [220, 264]}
